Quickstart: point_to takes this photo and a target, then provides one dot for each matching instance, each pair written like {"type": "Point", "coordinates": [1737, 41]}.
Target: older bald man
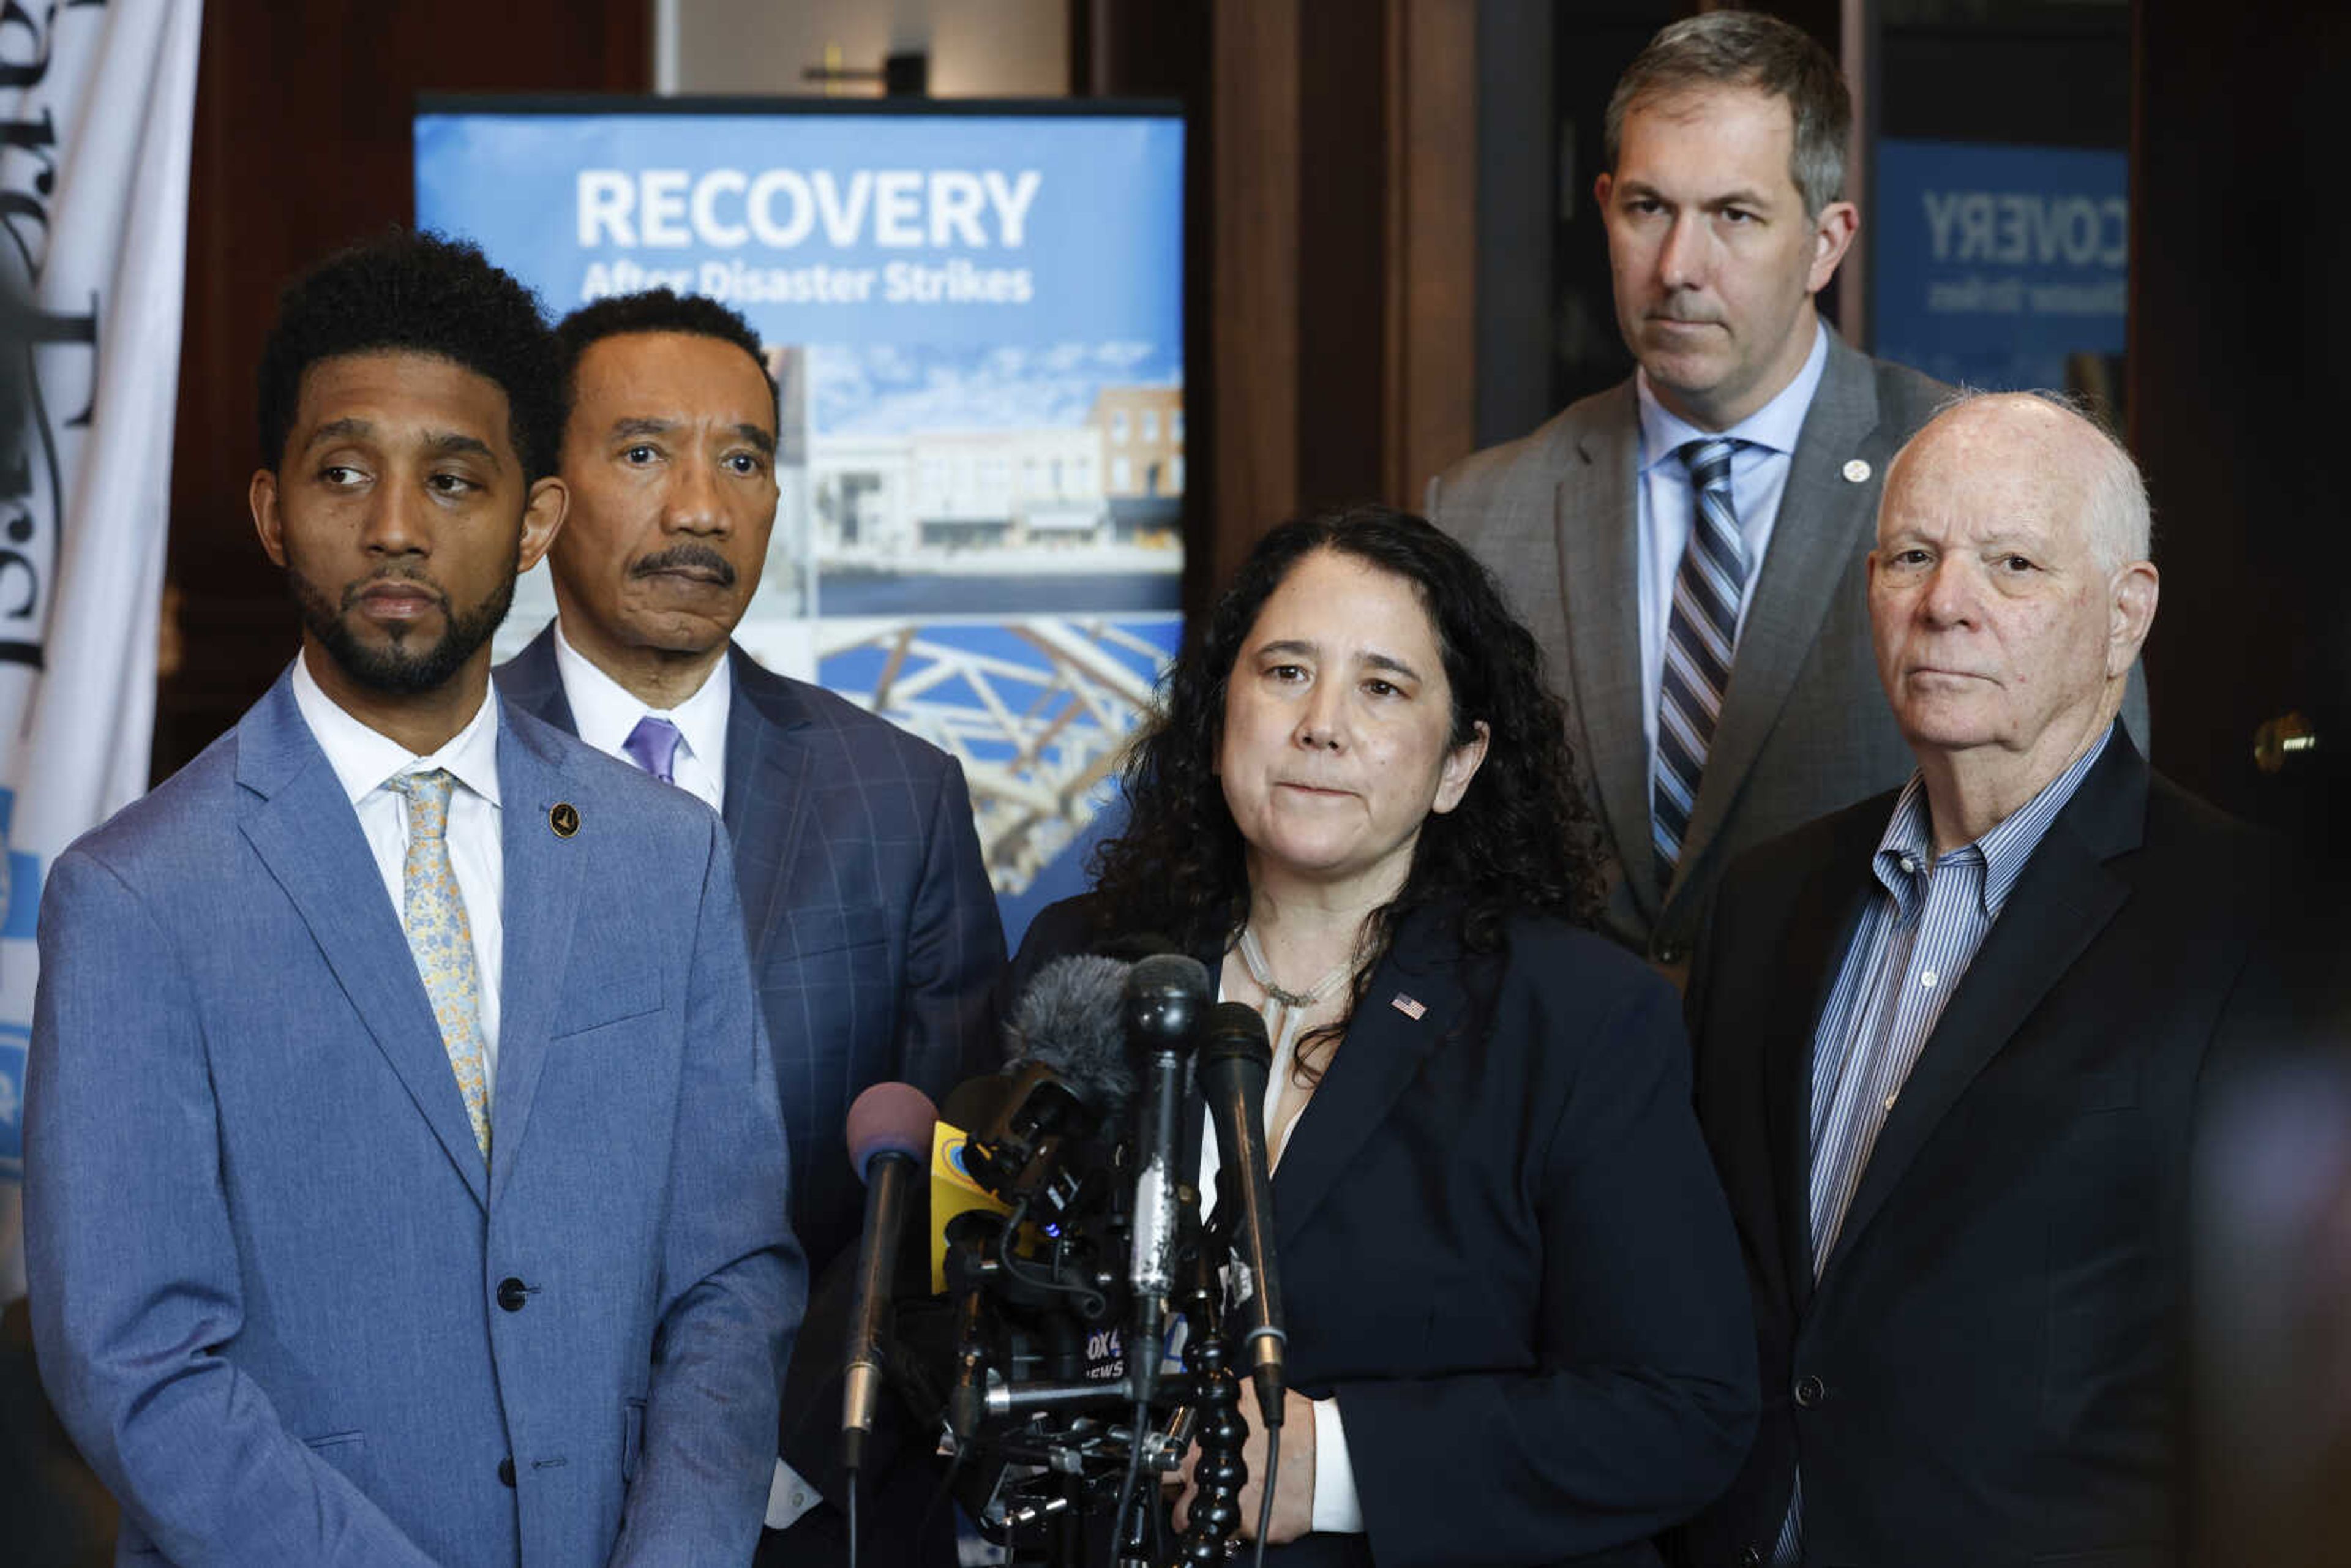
{"type": "Point", "coordinates": [1950, 1042]}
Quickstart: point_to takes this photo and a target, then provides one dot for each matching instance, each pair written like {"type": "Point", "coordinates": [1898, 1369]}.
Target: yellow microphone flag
{"type": "Point", "coordinates": [953, 1192]}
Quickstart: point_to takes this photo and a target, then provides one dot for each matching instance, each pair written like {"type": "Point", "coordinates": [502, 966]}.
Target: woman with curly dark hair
{"type": "Point", "coordinates": [1518, 1332]}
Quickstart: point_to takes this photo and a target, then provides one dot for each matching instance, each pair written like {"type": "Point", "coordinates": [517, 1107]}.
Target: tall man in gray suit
{"type": "Point", "coordinates": [405, 1175]}
{"type": "Point", "coordinates": [1688, 546]}
{"type": "Point", "coordinates": [873, 932]}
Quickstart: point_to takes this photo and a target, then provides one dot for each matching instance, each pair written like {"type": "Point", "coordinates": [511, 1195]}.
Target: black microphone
{"type": "Point", "coordinates": [1066, 1075]}
{"type": "Point", "coordinates": [1067, 1019]}
{"type": "Point", "coordinates": [1235, 1061]}
{"type": "Point", "coordinates": [889, 1145]}
{"type": "Point", "coordinates": [1166, 996]}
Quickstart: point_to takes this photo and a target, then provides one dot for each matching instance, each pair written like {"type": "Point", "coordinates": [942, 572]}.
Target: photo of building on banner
{"type": "Point", "coordinates": [975, 320]}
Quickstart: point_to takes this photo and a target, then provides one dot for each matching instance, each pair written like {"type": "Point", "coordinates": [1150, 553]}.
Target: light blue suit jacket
{"type": "Point", "coordinates": [278, 1300]}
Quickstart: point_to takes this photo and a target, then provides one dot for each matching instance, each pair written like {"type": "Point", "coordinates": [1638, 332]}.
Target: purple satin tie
{"type": "Point", "coordinates": [653, 746]}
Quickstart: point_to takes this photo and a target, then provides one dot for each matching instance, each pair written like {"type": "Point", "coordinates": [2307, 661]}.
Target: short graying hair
{"type": "Point", "coordinates": [2117, 513]}
{"type": "Point", "coordinates": [1746, 48]}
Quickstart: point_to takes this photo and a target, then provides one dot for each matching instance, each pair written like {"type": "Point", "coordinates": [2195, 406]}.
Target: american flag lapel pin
{"type": "Point", "coordinates": [1407, 1006]}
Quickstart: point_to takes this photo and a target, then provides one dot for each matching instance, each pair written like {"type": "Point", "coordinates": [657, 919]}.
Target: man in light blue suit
{"type": "Point", "coordinates": [406, 1181]}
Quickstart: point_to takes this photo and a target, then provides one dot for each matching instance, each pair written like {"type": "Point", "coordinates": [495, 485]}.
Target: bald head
{"type": "Point", "coordinates": [2049, 438]}
{"type": "Point", "coordinates": [2010, 590]}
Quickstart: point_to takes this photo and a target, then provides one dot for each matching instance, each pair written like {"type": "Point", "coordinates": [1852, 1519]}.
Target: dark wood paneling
{"type": "Point", "coordinates": [1341, 288]}
{"type": "Point", "coordinates": [1333, 246]}
{"type": "Point", "coordinates": [1142, 49]}
{"type": "Point", "coordinates": [1254, 272]}
{"type": "Point", "coordinates": [302, 145]}
{"type": "Point", "coordinates": [1431, 374]}
{"type": "Point", "coordinates": [2239, 335]}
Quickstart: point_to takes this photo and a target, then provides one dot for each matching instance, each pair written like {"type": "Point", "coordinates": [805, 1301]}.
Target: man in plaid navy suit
{"type": "Point", "coordinates": [872, 930]}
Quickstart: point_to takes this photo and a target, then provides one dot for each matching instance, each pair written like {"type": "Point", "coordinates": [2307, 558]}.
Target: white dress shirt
{"type": "Point", "coordinates": [1758, 477]}
{"type": "Point", "coordinates": [365, 760]}
{"type": "Point", "coordinates": [604, 712]}
{"type": "Point", "coordinates": [1338, 1509]}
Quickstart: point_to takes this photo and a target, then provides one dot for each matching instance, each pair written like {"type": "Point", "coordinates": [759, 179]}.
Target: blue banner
{"type": "Point", "coordinates": [947, 230]}
{"type": "Point", "coordinates": [2001, 267]}
{"type": "Point", "coordinates": [976, 323]}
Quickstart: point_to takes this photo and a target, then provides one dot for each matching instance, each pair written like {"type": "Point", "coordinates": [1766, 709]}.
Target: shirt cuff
{"type": "Point", "coordinates": [1337, 1510]}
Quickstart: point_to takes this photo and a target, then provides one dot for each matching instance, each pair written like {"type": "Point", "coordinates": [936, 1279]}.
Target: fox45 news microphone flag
{"type": "Point", "coordinates": [97, 114]}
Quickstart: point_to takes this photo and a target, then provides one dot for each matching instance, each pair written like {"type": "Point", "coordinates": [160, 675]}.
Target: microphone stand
{"type": "Point", "coordinates": [1219, 1473]}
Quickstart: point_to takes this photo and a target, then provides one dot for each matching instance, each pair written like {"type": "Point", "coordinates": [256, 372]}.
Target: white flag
{"type": "Point", "coordinates": [97, 116]}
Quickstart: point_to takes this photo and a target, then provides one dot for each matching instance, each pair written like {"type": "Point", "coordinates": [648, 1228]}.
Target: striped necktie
{"type": "Point", "coordinates": [1699, 638]}
{"type": "Point", "coordinates": [442, 940]}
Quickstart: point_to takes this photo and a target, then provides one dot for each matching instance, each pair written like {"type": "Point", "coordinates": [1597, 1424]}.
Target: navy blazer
{"type": "Point", "coordinates": [1504, 1254]}
{"type": "Point", "coordinates": [280, 1303]}
{"type": "Point", "coordinates": [873, 933]}
{"type": "Point", "coordinates": [1985, 1371]}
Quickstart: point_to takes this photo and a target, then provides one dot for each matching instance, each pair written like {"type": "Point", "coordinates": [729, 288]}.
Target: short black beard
{"type": "Point", "coordinates": [397, 671]}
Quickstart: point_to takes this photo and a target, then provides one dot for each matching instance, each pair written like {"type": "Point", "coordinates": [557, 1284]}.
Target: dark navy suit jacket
{"type": "Point", "coordinates": [873, 932]}
{"type": "Point", "coordinates": [1504, 1254]}
{"type": "Point", "coordinates": [1986, 1371]}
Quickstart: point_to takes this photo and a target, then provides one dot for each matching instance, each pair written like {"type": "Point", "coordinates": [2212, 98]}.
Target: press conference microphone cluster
{"type": "Point", "coordinates": [890, 1131]}
{"type": "Point", "coordinates": [1235, 1063]}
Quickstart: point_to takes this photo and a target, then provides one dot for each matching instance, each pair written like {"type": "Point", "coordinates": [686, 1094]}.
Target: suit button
{"type": "Point", "coordinates": [505, 1471]}
{"type": "Point", "coordinates": [1810, 1392]}
{"type": "Point", "coordinates": [1671, 952]}
{"type": "Point", "coordinates": [512, 1293]}
{"type": "Point", "coordinates": [1751, 1558]}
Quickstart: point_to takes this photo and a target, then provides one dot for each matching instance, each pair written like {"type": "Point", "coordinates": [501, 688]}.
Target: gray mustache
{"type": "Point", "coordinates": [696, 557]}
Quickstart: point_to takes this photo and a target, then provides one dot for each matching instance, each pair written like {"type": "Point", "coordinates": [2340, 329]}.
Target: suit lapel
{"type": "Point", "coordinates": [1823, 523]}
{"type": "Point", "coordinates": [1597, 526]}
{"type": "Point", "coordinates": [767, 794]}
{"type": "Point", "coordinates": [542, 901]}
{"type": "Point", "coordinates": [302, 827]}
{"type": "Point", "coordinates": [1820, 924]}
{"type": "Point", "coordinates": [1383, 1051]}
{"type": "Point", "coordinates": [533, 681]}
{"type": "Point", "coordinates": [2063, 898]}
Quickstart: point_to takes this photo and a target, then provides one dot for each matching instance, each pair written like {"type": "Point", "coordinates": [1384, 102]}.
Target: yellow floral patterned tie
{"type": "Point", "coordinates": [442, 940]}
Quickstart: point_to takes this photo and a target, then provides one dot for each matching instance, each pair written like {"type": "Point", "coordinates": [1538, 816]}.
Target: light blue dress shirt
{"type": "Point", "coordinates": [1913, 946]}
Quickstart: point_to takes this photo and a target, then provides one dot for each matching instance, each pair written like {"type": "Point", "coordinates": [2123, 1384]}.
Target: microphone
{"type": "Point", "coordinates": [1235, 1061]}
{"type": "Point", "coordinates": [1066, 1075]}
{"type": "Point", "coordinates": [1068, 1020]}
{"type": "Point", "coordinates": [1165, 996]}
{"type": "Point", "coordinates": [889, 1145]}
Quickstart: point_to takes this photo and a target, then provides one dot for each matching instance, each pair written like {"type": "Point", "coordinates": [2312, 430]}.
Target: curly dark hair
{"type": "Point", "coordinates": [1522, 839]}
{"type": "Point", "coordinates": [417, 293]}
{"type": "Point", "coordinates": [651, 310]}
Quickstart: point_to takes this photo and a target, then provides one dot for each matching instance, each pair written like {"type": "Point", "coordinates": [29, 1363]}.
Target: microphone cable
{"type": "Point", "coordinates": [1265, 1497]}
{"type": "Point", "coordinates": [939, 1494]}
{"type": "Point", "coordinates": [1133, 1479]}
{"type": "Point", "coordinates": [1091, 1301]}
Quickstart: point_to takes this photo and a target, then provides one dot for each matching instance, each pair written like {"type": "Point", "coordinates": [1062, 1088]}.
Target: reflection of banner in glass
{"type": "Point", "coordinates": [1996, 265]}
{"type": "Point", "coordinates": [976, 317]}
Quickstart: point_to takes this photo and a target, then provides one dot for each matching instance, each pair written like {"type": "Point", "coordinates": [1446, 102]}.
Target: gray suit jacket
{"type": "Point", "coordinates": [282, 1305]}
{"type": "Point", "coordinates": [1805, 726]}
{"type": "Point", "coordinates": [873, 933]}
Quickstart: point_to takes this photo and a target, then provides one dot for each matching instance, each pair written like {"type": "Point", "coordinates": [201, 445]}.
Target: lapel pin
{"type": "Point", "coordinates": [564, 818]}
{"type": "Point", "coordinates": [1857, 472]}
{"type": "Point", "coordinates": [1407, 1006]}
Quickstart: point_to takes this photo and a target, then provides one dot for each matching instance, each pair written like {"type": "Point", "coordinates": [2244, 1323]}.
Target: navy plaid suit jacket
{"type": "Point", "coordinates": [873, 933]}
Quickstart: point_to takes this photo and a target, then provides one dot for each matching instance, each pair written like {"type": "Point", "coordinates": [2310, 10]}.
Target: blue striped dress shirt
{"type": "Point", "coordinates": [1907, 956]}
